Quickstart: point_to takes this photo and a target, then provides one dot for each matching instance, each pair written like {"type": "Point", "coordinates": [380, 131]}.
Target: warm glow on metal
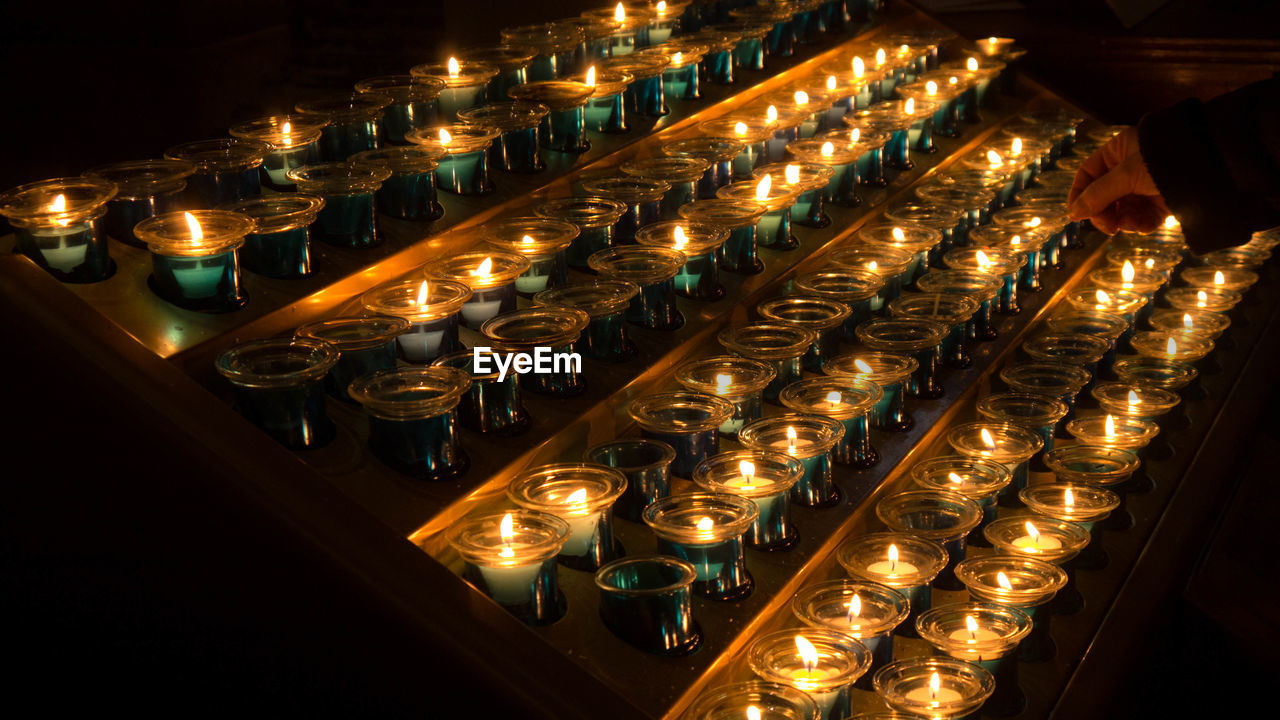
{"type": "Point", "coordinates": [193, 226]}
{"type": "Point", "coordinates": [454, 68]}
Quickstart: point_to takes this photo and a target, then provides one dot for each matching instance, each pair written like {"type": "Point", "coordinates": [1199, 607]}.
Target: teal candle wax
{"type": "Point", "coordinates": [409, 196]}
{"type": "Point", "coordinates": [855, 448]}
{"type": "Point", "coordinates": [605, 338]}
{"type": "Point", "coordinates": [682, 193]}
{"type": "Point", "coordinates": [545, 271]}
{"type": "Point", "coordinates": [899, 150]}
{"type": "Point", "coordinates": [339, 141]}
{"type": "Point", "coordinates": [348, 221]}
{"type": "Point", "coordinates": [284, 254]}
{"type": "Point", "coordinates": [780, 40]}
{"type": "Point", "coordinates": [774, 230]}
{"type": "Point", "coordinates": [546, 67]}
{"type": "Point", "coordinates": [606, 114]}
{"type": "Point", "coordinates": [1007, 297]}
{"type": "Point", "coordinates": [946, 120]}
{"type": "Point", "coordinates": [637, 216]}
{"type": "Point", "coordinates": [699, 277]}
{"type": "Point", "coordinates": [888, 412]}
{"type": "Point", "coordinates": [293, 416]}
{"type": "Point", "coordinates": [739, 253]}
{"type": "Point", "coordinates": [453, 99]}
{"type": "Point", "coordinates": [205, 284]}
{"type": "Point", "coordinates": [920, 135]}
{"type": "Point", "coordinates": [650, 98]}
{"type": "Point", "coordinates": [77, 253]}
{"type": "Point", "coordinates": [719, 66]}
{"type": "Point", "coordinates": [842, 188]}
{"type": "Point", "coordinates": [953, 349]}
{"type": "Point", "coordinates": [681, 83]}
{"type": "Point", "coordinates": [518, 151]}
{"type": "Point", "coordinates": [746, 161]}
{"type": "Point", "coordinates": [590, 240]}
{"type": "Point", "coordinates": [775, 146]}
{"type": "Point", "coordinates": [692, 447]}
{"type": "Point", "coordinates": [808, 210]}
{"type": "Point", "coordinates": [565, 131]}
{"type": "Point", "coordinates": [870, 166]}
{"type": "Point", "coordinates": [721, 567]}
{"type": "Point", "coordinates": [425, 341]}
{"type": "Point", "coordinates": [746, 408]}
{"type": "Point", "coordinates": [749, 53]}
{"type": "Point", "coordinates": [357, 363]}
{"type": "Point", "coordinates": [123, 213]}
{"type": "Point", "coordinates": [816, 487]}
{"type": "Point", "coordinates": [772, 529]}
{"type": "Point", "coordinates": [465, 173]}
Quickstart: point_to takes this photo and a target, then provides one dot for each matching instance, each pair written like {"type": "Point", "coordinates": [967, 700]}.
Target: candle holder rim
{"type": "Point", "coordinates": [713, 149]}
{"type": "Point", "coordinates": [966, 437]}
{"type": "Point", "coordinates": [938, 216]}
{"type": "Point", "coordinates": [932, 626]}
{"type": "Point", "coordinates": [470, 73]}
{"type": "Point", "coordinates": [980, 683]}
{"type": "Point", "coordinates": [399, 299]}
{"type": "Point", "coordinates": [802, 706]}
{"type": "Point", "coordinates": [1217, 323]}
{"type": "Point", "coordinates": [1125, 463]}
{"type": "Point", "coordinates": [667, 168]}
{"type": "Point", "coordinates": [758, 434]}
{"type": "Point", "coordinates": [997, 475]}
{"type": "Point", "coordinates": [889, 261]}
{"type": "Point", "coordinates": [706, 474]}
{"type": "Point", "coordinates": [1112, 324]}
{"type": "Point", "coordinates": [967, 512]}
{"type": "Point", "coordinates": [691, 53]}
{"type": "Point", "coordinates": [666, 453]}
{"type": "Point", "coordinates": [804, 601]}
{"type": "Point", "coordinates": [639, 65]}
{"type": "Point", "coordinates": [402, 87]}
{"type": "Point", "coordinates": [277, 213]}
{"type": "Point", "coordinates": [629, 188]}
{"type": "Point", "coordinates": [399, 159]}
{"type": "Point", "coordinates": [812, 175]}
{"type": "Point", "coordinates": [701, 237]}
{"type": "Point", "coordinates": [915, 237]}
{"type": "Point", "coordinates": [138, 179]}
{"type": "Point", "coordinates": [785, 341]}
{"type": "Point", "coordinates": [553, 532]}
{"type": "Point", "coordinates": [505, 268]}
{"type": "Point", "coordinates": [774, 309]}
{"type": "Point", "coordinates": [1043, 409]}
{"type": "Point", "coordinates": [802, 396]}
{"type": "Point", "coordinates": [1120, 300]}
{"type": "Point", "coordinates": [505, 117]}
{"type": "Point", "coordinates": [168, 234]}
{"type": "Point", "coordinates": [303, 129]}
{"type": "Point", "coordinates": [962, 306]}
{"type": "Point", "coordinates": [757, 128]}
{"type": "Point", "coordinates": [922, 548]}
{"type": "Point", "coordinates": [886, 368]}
{"type": "Point", "coordinates": [1183, 297]}
{"type": "Point", "coordinates": [700, 375]}
{"type": "Point", "coordinates": [1112, 276]}
{"type": "Point", "coordinates": [220, 154]}
{"type": "Point", "coordinates": [436, 390]}
{"type": "Point", "coordinates": [858, 283]}
{"type": "Point", "coordinates": [768, 650]}
{"type": "Point", "coordinates": [539, 326]}
{"type": "Point", "coordinates": [742, 510]}
{"type": "Point", "coordinates": [643, 410]}
{"type": "Point", "coordinates": [463, 138]}
{"type": "Point", "coordinates": [1071, 377]}
{"type": "Point", "coordinates": [1131, 432]}
{"type": "Point", "coordinates": [687, 575]}
{"type": "Point", "coordinates": [353, 334]}
{"type": "Point", "coordinates": [725, 212]}
{"type": "Point", "coordinates": [549, 235]}
{"type": "Point", "coordinates": [971, 572]}
{"type": "Point", "coordinates": [608, 83]}
{"type": "Point", "coordinates": [316, 358]}
{"type": "Point", "coordinates": [339, 178]}
{"type": "Point", "coordinates": [843, 150]}
{"type": "Point", "coordinates": [1161, 399]}
{"type": "Point", "coordinates": [1089, 502]}
{"type": "Point", "coordinates": [1173, 374]}
{"type": "Point", "coordinates": [83, 198]}
{"type": "Point", "coordinates": [1154, 342]}
{"type": "Point", "coordinates": [973, 283]}
{"type": "Point", "coordinates": [780, 197]}
{"type": "Point", "coordinates": [597, 298]}
{"type": "Point", "coordinates": [548, 37]}
{"type": "Point", "coordinates": [641, 264]}
{"type": "Point", "coordinates": [1003, 531]}
{"type": "Point", "coordinates": [345, 107]}
{"type": "Point", "coordinates": [504, 55]}
{"type": "Point", "coordinates": [585, 212]}
{"type": "Point", "coordinates": [609, 484]}
{"type": "Point", "coordinates": [923, 333]}
{"type": "Point", "coordinates": [1000, 260]}
{"type": "Point", "coordinates": [559, 95]}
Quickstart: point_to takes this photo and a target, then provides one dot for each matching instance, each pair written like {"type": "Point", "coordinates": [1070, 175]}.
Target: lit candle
{"type": "Point", "coordinates": [1033, 540]}
{"type": "Point", "coordinates": [972, 633]}
{"type": "Point", "coordinates": [934, 694]}
{"type": "Point", "coordinates": [507, 579]}
{"type": "Point", "coordinates": [892, 567]}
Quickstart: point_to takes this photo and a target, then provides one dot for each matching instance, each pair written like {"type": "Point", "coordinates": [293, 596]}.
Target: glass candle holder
{"type": "Point", "coordinates": [1248, 257]}
{"type": "Point", "coordinates": [530, 333]}
{"type": "Point", "coordinates": [653, 269]}
{"type": "Point", "coordinates": [681, 174]}
{"type": "Point", "coordinates": [194, 260]}
{"type": "Point", "coordinates": [952, 311]}
{"type": "Point", "coordinates": [563, 129]}
{"type": "Point", "coordinates": [512, 62]}
{"type": "Point", "coordinates": [605, 302]}
{"type": "Point", "coordinates": [646, 94]}
{"type": "Point", "coordinates": [751, 131]}
{"type": "Point", "coordinates": [946, 220]}
{"type": "Point", "coordinates": [1056, 380]}
{"type": "Point", "coordinates": [226, 168]}
{"type": "Point", "coordinates": [687, 421]}
{"type": "Point", "coordinates": [1139, 401]}
{"type": "Point", "coordinates": [1037, 413]}
{"type": "Point", "coordinates": [977, 479]}
{"type": "Point", "coordinates": [555, 44]}
{"type": "Point", "coordinates": [680, 78]}
{"type": "Point", "coordinates": [1097, 323]}
{"type": "Point", "coordinates": [413, 103]}
{"type": "Point", "coordinates": [293, 141]}
{"type": "Point", "coordinates": [915, 337]}
{"type": "Point", "coordinates": [890, 372]}
{"type": "Point", "coordinates": [781, 346]}
{"type": "Point", "coordinates": [430, 307]}
{"type": "Point", "coordinates": [856, 289]}
{"type": "Point", "coordinates": [1161, 259]}
{"type": "Point", "coordinates": [733, 701]}
{"type": "Point", "coordinates": [409, 192]}
{"type": "Point", "coordinates": [887, 263]}
{"type": "Point", "coordinates": [348, 218]}
{"type": "Point", "coordinates": [59, 226]}
{"type": "Point", "coordinates": [582, 495]}
{"type": "Point", "coordinates": [1029, 242]}
{"type": "Point", "coordinates": [845, 398]}
{"type": "Point", "coordinates": [144, 188]}
{"type": "Point", "coordinates": [1180, 345]}
{"type": "Point", "coordinates": [1121, 431]}
{"type": "Point", "coordinates": [741, 218]}
{"type": "Point", "coordinates": [980, 287]}
{"type": "Point", "coordinates": [491, 276]}
{"type": "Point", "coordinates": [975, 200]}
{"type": "Point", "coordinates": [647, 466]}
{"type": "Point", "coordinates": [465, 84]}
{"type": "Point", "coordinates": [463, 169]}
{"type": "Point", "coordinates": [1092, 464]}
{"type": "Point", "coordinates": [1000, 262]}
{"type": "Point", "coordinates": [1128, 277]}
{"type": "Point", "coordinates": [1204, 322]}
{"type": "Point", "coordinates": [279, 388]}
{"type": "Point", "coordinates": [511, 558]}
{"type": "Point", "coordinates": [365, 345]}
{"type": "Point", "coordinates": [350, 122]}
{"type": "Point", "coordinates": [824, 664]}
{"type": "Point", "coordinates": [699, 277]}
{"type": "Point", "coordinates": [1054, 541]}
{"type": "Point", "coordinates": [917, 241]}
{"type": "Point", "coordinates": [640, 196]}
{"type": "Point", "coordinates": [1125, 303]}
{"type": "Point", "coordinates": [1219, 277]}
{"type": "Point", "coordinates": [628, 23]}
{"type": "Point", "coordinates": [806, 181]}
{"type": "Point", "coordinates": [807, 438]}
{"type": "Point", "coordinates": [705, 530]}
{"type": "Point", "coordinates": [1084, 505]}
{"type": "Point", "coordinates": [494, 403]}
{"type": "Point", "coordinates": [764, 477]}
{"type": "Point", "coordinates": [845, 159]}
{"type": "Point", "coordinates": [773, 229]}
{"type": "Point", "coordinates": [1168, 374]}
{"type": "Point", "coordinates": [646, 601]}
{"type": "Point", "coordinates": [594, 218]}
{"type": "Point", "coordinates": [1005, 443]}
{"type": "Point", "coordinates": [825, 318]}
{"type": "Point", "coordinates": [986, 635]}
{"type": "Point", "coordinates": [1217, 300]}
{"type": "Point", "coordinates": [866, 611]}
{"type": "Point", "coordinates": [606, 109]}
{"type": "Point", "coordinates": [411, 419]}
{"type": "Point", "coordinates": [739, 380]}
{"type": "Point", "coordinates": [1020, 582]}
{"type": "Point", "coordinates": [941, 516]}
{"type": "Point", "coordinates": [280, 244]}
{"type": "Point", "coordinates": [718, 153]}
{"type": "Point", "coordinates": [543, 242]}
{"type": "Point", "coordinates": [906, 563]}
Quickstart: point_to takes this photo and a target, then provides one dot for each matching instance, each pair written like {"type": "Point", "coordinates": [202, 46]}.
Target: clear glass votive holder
{"type": "Point", "coordinates": [350, 122]}
{"type": "Point", "coordinates": [646, 601]}
{"type": "Point", "coordinates": [751, 131]}
{"type": "Point", "coordinates": [717, 152]}
{"type": "Point", "coordinates": [226, 169]}
{"type": "Point", "coordinates": [806, 181]}
{"type": "Point", "coordinates": [409, 192]}
{"type": "Point", "coordinates": [466, 82]}
{"type": "Point", "coordinates": [699, 277]}
{"type": "Point", "coordinates": [365, 346]}
{"type": "Point", "coordinates": [906, 563]}
{"type": "Point", "coordinates": [1125, 303]}
{"type": "Point", "coordinates": [293, 141]}
{"type": "Point", "coordinates": [890, 372]}
{"type": "Point", "coordinates": [681, 174]}
{"type": "Point", "coordinates": [463, 168]}
{"type": "Point", "coordinates": [889, 264]}
{"type": "Point", "coordinates": [984, 634]}
{"type": "Point", "coordinates": [1097, 323]}
{"type": "Point", "coordinates": [739, 380]}
{"type": "Point", "coordinates": [279, 387]}
{"type": "Point", "coordinates": [1168, 374]}
{"type": "Point", "coordinates": [413, 104]}
{"type": "Point", "coordinates": [280, 244]}
{"type": "Point", "coordinates": [781, 346]}
{"type": "Point", "coordinates": [645, 95]}
{"type": "Point", "coordinates": [542, 241]}
{"type": "Point", "coordinates": [511, 558]}
{"type": "Point", "coordinates": [823, 664]}
{"type": "Point", "coordinates": [1038, 413]}
{"type": "Point", "coordinates": [512, 62]}
{"type": "Point", "coordinates": [942, 516]}
{"type": "Point", "coordinates": [546, 335]}
{"type": "Point", "coordinates": [144, 188]}
{"type": "Point", "coordinates": [680, 78]}
{"type": "Point", "coordinates": [825, 318]}
{"type": "Point", "coordinates": [641, 196]}
{"type": "Point", "coordinates": [1218, 300]}
{"type": "Point", "coordinates": [953, 311]}
{"type": "Point", "coordinates": [1205, 322]}
{"type": "Point", "coordinates": [846, 398]}
{"type": "Point", "coordinates": [909, 686]}
{"type": "Point", "coordinates": [866, 611]}
{"type": "Point", "coordinates": [765, 477]}
{"type": "Point", "coordinates": [606, 109]}
{"type": "Point", "coordinates": [1092, 464]}
{"type": "Point", "coordinates": [582, 495]}
{"type": "Point", "coordinates": [564, 128]}
{"type": "Point", "coordinates": [979, 480]}
{"type": "Point", "coordinates": [59, 226]}
{"type": "Point", "coordinates": [1054, 541]}
{"type": "Point", "coordinates": [733, 701]}
{"type": "Point", "coordinates": [1219, 277]}
{"type": "Point", "coordinates": [1056, 380]}
{"type": "Point", "coordinates": [1008, 444]}
{"type": "Point", "coordinates": [556, 43]}
{"type": "Point", "coordinates": [915, 337]}
{"type": "Point", "coordinates": [687, 421]}
{"type": "Point", "coordinates": [807, 438]}
{"type": "Point", "coordinates": [494, 403]}
{"type": "Point", "coordinates": [594, 218]}
{"type": "Point", "coordinates": [1000, 262]}
{"type": "Point", "coordinates": [773, 229]}
{"type": "Point", "coordinates": [980, 287]}
{"type": "Point", "coordinates": [844, 158]}
{"type": "Point", "coordinates": [705, 530]}
{"type": "Point", "coordinates": [1020, 582]}
{"type": "Point", "coordinates": [605, 302]}
{"type": "Point", "coordinates": [412, 413]}
{"type": "Point", "coordinates": [348, 217]}
{"type": "Point", "coordinates": [194, 258]}
{"type": "Point", "coordinates": [1180, 345]}
{"type": "Point", "coordinates": [491, 277]}
{"type": "Point", "coordinates": [1132, 400]}
{"type": "Point", "coordinates": [858, 290]}
{"type": "Point", "coordinates": [651, 268]}
{"type": "Point", "coordinates": [1121, 431]}
{"type": "Point", "coordinates": [647, 466]}
{"type": "Point", "coordinates": [430, 307]}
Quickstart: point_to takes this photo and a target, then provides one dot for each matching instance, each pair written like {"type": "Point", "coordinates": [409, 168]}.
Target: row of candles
{"type": "Point", "coordinates": [339, 163]}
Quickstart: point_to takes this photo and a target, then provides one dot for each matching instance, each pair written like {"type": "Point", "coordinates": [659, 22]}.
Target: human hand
{"type": "Point", "coordinates": [1114, 190]}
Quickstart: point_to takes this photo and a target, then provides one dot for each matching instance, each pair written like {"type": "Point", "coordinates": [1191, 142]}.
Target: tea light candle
{"type": "Point", "coordinates": [705, 530]}
{"type": "Point", "coordinates": [348, 217]}
{"type": "Point", "coordinates": [430, 307]}
{"type": "Point", "coordinates": [984, 634]}
{"type": "Point", "coordinates": [844, 398]}
{"type": "Point", "coordinates": [807, 438]}
{"type": "Point", "coordinates": [750, 130]}
{"type": "Point", "coordinates": [411, 419]}
{"type": "Point", "coordinates": [464, 167]}
{"type": "Point", "coordinates": [511, 558]}
{"type": "Point", "coordinates": [654, 270]}
{"type": "Point", "coordinates": [745, 700]}
{"type": "Point", "coordinates": [1010, 445]}
{"type": "Point", "coordinates": [226, 168]}
{"type": "Point", "coordinates": [773, 229]}
{"type": "Point", "coordinates": [646, 94]}
{"type": "Point", "coordinates": [1038, 413]}
{"type": "Point", "coordinates": [977, 479]}
{"type": "Point", "coordinates": [640, 196]}
{"type": "Point", "coordinates": [842, 153]}
{"type": "Point", "coordinates": [699, 277]}
{"type": "Point", "coordinates": [687, 421]}
{"type": "Point", "coordinates": [765, 477]}
{"type": "Point", "coordinates": [890, 264]}
{"type": "Point", "coordinates": [511, 60]}
{"type": "Point", "coordinates": [980, 287]}
{"type": "Point", "coordinates": [605, 302]}
{"type": "Point", "coordinates": [280, 244]}
{"type": "Point", "coordinates": [807, 181]}
{"type": "Point", "coordinates": [350, 122]}
{"type": "Point", "coordinates": [857, 290]}
{"type": "Point", "coordinates": [1125, 303]}
{"type": "Point", "coordinates": [627, 25]}
{"type": "Point", "coordinates": [365, 345]}
{"type": "Point", "coordinates": [1219, 300]}
{"type": "Point", "coordinates": [889, 372]}
{"type": "Point", "coordinates": [556, 43]}
{"type": "Point", "coordinates": [1092, 464]}
{"type": "Point", "coordinates": [906, 563]}
{"type": "Point", "coordinates": [934, 687]}
{"type": "Point", "coordinates": [580, 494]}
{"type": "Point", "coordinates": [523, 332]}
{"type": "Point", "coordinates": [1055, 541]}
{"type": "Point", "coordinates": [680, 77]}
{"type": "Point", "coordinates": [1123, 431]}
{"type": "Point", "coordinates": [718, 153]}
{"type": "Point", "coordinates": [1063, 382]}
{"type": "Point", "coordinates": [916, 337]}
{"type": "Point", "coordinates": [1179, 345]}
{"type": "Point", "coordinates": [941, 516]}
{"type": "Point", "coordinates": [465, 83]}
{"type": "Point", "coordinates": [823, 664]}
{"type": "Point", "coordinates": [781, 346]}
{"type": "Point", "coordinates": [1168, 374]}
{"type": "Point", "coordinates": [825, 318]}
{"type": "Point", "coordinates": [998, 261]}
{"type": "Point", "coordinates": [491, 276]}
{"type": "Point", "coordinates": [1067, 348]}
{"type": "Point", "coordinates": [1021, 582]}
{"type": "Point", "coordinates": [194, 260]}
{"type": "Point", "coordinates": [594, 217]}
{"type": "Point", "coordinates": [741, 218]}
{"type": "Point", "coordinates": [681, 174]}
{"type": "Point", "coordinates": [293, 142]}
{"type": "Point", "coordinates": [1084, 505]}
{"type": "Point", "coordinates": [1203, 322]}
{"type": "Point", "coordinates": [1140, 401]}
{"type": "Point", "coordinates": [866, 611]}
{"type": "Point", "coordinates": [606, 110]}
{"type": "Point", "coordinates": [413, 103]}
{"type": "Point", "coordinates": [59, 226]}
{"type": "Point", "coordinates": [739, 380]}
{"type": "Point", "coordinates": [279, 387]}
{"type": "Point", "coordinates": [543, 242]}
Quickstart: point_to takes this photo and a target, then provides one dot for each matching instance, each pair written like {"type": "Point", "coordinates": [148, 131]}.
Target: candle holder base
{"type": "Point", "coordinates": [214, 305]}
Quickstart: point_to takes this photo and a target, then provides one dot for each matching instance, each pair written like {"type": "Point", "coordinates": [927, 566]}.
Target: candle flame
{"type": "Point", "coordinates": [620, 13]}
{"type": "Point", "coordinates": [1109, 426]}
{"type": "Point", "coordinates": [893, 557]}
{"type": "Point", "coordinates": [855, 608]}
{"type": "Point", "coordinates": [753, 712]}
{"type": "Point", "coordinates": [1170, 222]}
{"type": "Point", "coordinates": [59, 203]}
{"type": "Point", "coordinates": [677, 59]}
{"type": "Point", "coordinates": [1102, 297]}
{"type": "Point", "coordinates": [1187, 322]}
{"type": "Point", "coordinates": [972, 625]}
{"type": "Point", "coordinates": [1133, 398]}
{"type": "Point", "coordinates": [507, 531]}
{"type": "Point", "coordinates": [859, 67]}
{"type": "Point", "coordinates": [953, 80]}
{"type": "Point", "coordinates": [591, 76]}
{"type": "Point", "coordinates": [1171, 347]}
{"type": "Point", "coordinates": [1015, 148]}
{"type": "Point", "coordinates": [904, 49]}
{"type": "Point", "coordinates": [704, 524]}
{"type": "Point", "coordinates": [771, 114]}
{"type": "Point", "coordinates": [577, 497]}
{"type": "Point", "coordinates": [935, 684]}
{"type": "Point", "coordinates": [994, 158]}
{"type": "Point", "coordinates": [1034, 222]}
{"type": "Point", "coordinates": [931, 88]}
{"type": "Point", "coordinates": [984, 262]}
{"type": "Point", "coordinates": [1003, 580]}
{"type": "Point", "coordinates": [832, 82]}
{"type": "Point", "coordinates": [661, 7]}
{"type": "Point", "coordinates": [1127, 272]}
{"type": "Point", "coordinates": [1218, 277]}
{"type": "Point", "coordinates": [422, 295]}
{"type": "Point", "coordinates": [802, 97]}
{"type": "Point", "coordinates": [740, 128]}
{"type": "Point", "coordinates": [955, 478]}
{"type": "Point", "coordinates": [483, 269]}
{"type": "Point", "coordinates": [972, 64]}
{"type": "Point", "coordinates": [193, 225]}
{"type": "Point", "coordinates": [454, 68]}
{"type": "Point", "coordinates": [791, 440]}
{"type": "Point", "coordinates": [1069, 498]}
{"type": "Point", "coordinates": [833, 397]}
{"type": "Point", "coordinates": [862, 365]}
{"type": "Point", "coordinates": [763, 188]}
{"type": "Point", "coordinates": [445, 137]}
{"type": "Point", "coordinates": [987, 441]}
{"type": "Point", "coordinates": [1015, 240]}
{"type": "Point", "coordinates": [679, 239]}
{"type": "Point", "coordinates": [748, 470]}
{"type": "Point", "coordinates": [828, 149]}
{"type": "Point", "coordinates": [808, 653]}
{"type": "Point", "coordinates": [722, 381]}
{"type": "Point", "coordinates": [1202, 298]}
{"type": "Point", "coordinates": [992, 40]}
{"type": "Point", "coordinates": [909, 107]}
{"type": "Point", "coordinates": [899, 235]}
{"type": "Point", "coordinates": [880, 57]}
{"type": "Point", "coordinates": [1150, 263]}
{"type": "Point", "coordinates": [285, 130]}
{"type": "Point", "coordinates": [792, 174]}
{"type": "Point", "coordinates": [1032, 533]}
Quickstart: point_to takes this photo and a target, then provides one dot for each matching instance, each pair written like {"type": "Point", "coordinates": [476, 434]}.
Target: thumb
{"type": "Point", "coordinates": [1101, 193]}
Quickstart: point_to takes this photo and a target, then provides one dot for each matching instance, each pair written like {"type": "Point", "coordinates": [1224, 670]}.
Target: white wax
{"type": "Point", "coordinates": [888, 569]}
{"type": "Point", "coordinates": [531, 283]}
{"type": "Point", "coordinates": [659, 35]}
{"type": "Point", "coordinates": [420, 347]}
{"type": "Point", "coordinates": [510, 584]}
{"type": "Point", "coordinates": [803, 680]}
{"type": "Point", "coordinates": [1043, 542]}
{"type": "Point", "coordinates": [981, 635]}
{"type": "Point", "coordinates": [582, 532]}
{"type": "Point", "coordinates": [923, 696]}
{"type": "Point", "coordinates": [474, 313]}
{"type": "Point", "coordinates": [63, 257]}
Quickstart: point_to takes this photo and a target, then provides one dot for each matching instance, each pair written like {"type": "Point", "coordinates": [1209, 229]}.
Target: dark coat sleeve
{"type": "Point", "coordinates": [1217, 163]}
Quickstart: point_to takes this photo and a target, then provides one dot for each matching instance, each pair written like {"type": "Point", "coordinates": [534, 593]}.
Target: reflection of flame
{"type": "Point", "coordinates": [792, 174]}
{"type": "Point", "coordinates": [854, 134]}
{"type": "Point", "coordinates": [483, 269]}
{"type": "Point", "coordinates": [591, 76]}
{"type": "Point", "coordinates": [445, 137]}
{"type": "Point", "coordinates": [1187, 322]}
{"type": "Point", "coordinates": [740, 128]}
{"type": "Point", "coordinates": [753, 712]}
{"type": "Point", "coordinates": [577, 497]}
{"type": "Point", "coordinates": [1102, 297]}
{"type": "Point", "coordinates": [193, 225]}
{"type": "Point", "coordinates": [873, 266]}
{"type": "Point", "coordinates": [59, 204]}
{"type": "Point", "coordinates": [679, 240]}
{"type": "Point", "coordinates": [422, 295]}
{"type": "Point", "coordinates": [1003, 580]}
{"type": "Point", "coordinates": [763, 188]}
{"type": "Point", "coordinates": [984, 262]}
{"type": "Point", "coordinates": [859, 67]}
{"type": "Point", "coordinates": [507, 531]}
{"type": "Point", "coordinates": [1170, 222]}
{"type": "Point", "coordinates": [454, 68]}
{"type": "Point", "coordinates": [898, 235]}
{"type": "Point", "coordinates": [705, 523]}
{"type": "Point", "coordinates": [527, 240]}
{"type": "Point", "coordinates": [677, 59]}
{"type": "Point", "coordinates": [1202, 298]}
{"type": "Point", "coordinates": [722, 380]}
{"type": "Point", "coordinates": [862, 365]}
